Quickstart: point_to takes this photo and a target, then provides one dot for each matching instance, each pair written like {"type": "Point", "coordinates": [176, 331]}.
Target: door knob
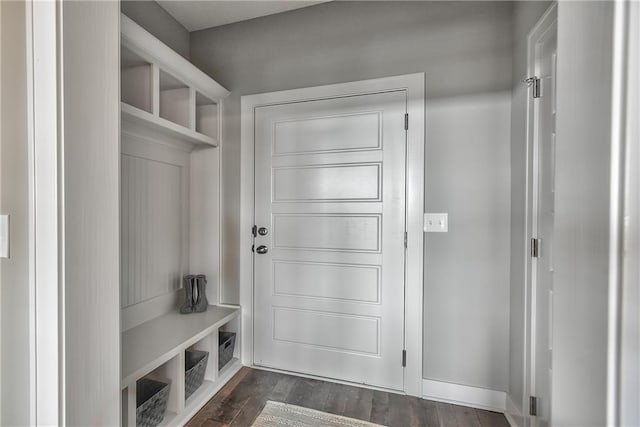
{"type": "Point", "coordinates": [262, 249]}
{"type": "Point", "coordinates": [263, 231]}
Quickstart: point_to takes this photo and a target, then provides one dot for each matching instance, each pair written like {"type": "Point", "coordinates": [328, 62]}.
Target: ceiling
{"type": "Point", "coordinates": [197, 15]}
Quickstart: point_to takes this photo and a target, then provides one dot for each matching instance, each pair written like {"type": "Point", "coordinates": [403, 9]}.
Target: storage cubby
{"type": "Point", "coordinates": [167, 372]}
{"type": "Point", "coordinates": [170, 372]}
{"type": "Point", "coordinates": [232, 326]}
{"type": "Point", "coordinates": [175, 100]}
{"type": "Point", "coordinates": [206, 116]}
{"type": "Point", "coordinates": [136, 80]}
{"type": "Point", "coordinates": [209, 344]}
{"type": "Point", "coordinates": [162, 356]}
{"type": "Point", "coordinates": [165, 94]}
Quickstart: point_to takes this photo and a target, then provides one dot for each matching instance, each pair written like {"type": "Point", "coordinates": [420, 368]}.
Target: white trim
{"type": "Point", "coordinates": [42, 27]}
{"type": "Point", "coordinates": [629, 345]}
{"type": "Point", "coordinates": [548, 19]}
{"type": "Point", "coordinates": [474, 397]}
{"type": "Point", "coordinates": [30, 47]}
{"type": "Point", "coordinates": [616, 207]}
{"type": "Point", "coordinates": [414, 85]}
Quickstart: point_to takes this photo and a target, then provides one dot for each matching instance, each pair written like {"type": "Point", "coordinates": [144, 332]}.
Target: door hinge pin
{"type": "Point", "coordinates": [406, 239]}
{"type": "Point", "coordinates": [535, 248]}
{"type": "Point", "coordinates": [404, 358]}
{"type": "Point", "coordinates": [406, 121]}
{"type": "Point", "coordinates": [533, 405]}
{"type": "Point", "coordinates": [534, 83]}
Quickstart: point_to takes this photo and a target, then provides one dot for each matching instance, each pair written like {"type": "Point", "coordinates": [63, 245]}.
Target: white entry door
{"type": "Point", "coordinates": [544, 190]}
{"type": "Point", "coordinates": [329, 262]}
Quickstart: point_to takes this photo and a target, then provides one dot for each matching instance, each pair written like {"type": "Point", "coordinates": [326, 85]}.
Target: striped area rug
{"type": "Point", "coordinates": [276, 414]}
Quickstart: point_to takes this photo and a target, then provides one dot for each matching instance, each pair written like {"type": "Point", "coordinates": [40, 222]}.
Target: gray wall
{"type": "Point", "coordinates": [466, 287]}
{"type": "Point", "coordinates": [526, 14]}
{"type": "Point", "coordinates": [15, 344]}
{"type": "Point", "coordinates": [465, 49]}
{"type": "Point", "coordinates": [153, 18]}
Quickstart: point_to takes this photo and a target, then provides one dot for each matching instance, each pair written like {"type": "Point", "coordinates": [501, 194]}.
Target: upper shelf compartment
{"type": "Point", "coordinates": [163, 92]}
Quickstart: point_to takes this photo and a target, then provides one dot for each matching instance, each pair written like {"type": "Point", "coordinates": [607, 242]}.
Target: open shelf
{"type": "Point", "coordinates": [139, 118]}
{"type": "Point", "coordinates": [136, 80]}
{"type": "Point", "coordinates": [175, 100]}
{"type": "Point", "coordinates": [162, 91]}
{"type": "Point", "coordinates": [166, 336]}
{"type": "Point", "coordinates": [206, 115]}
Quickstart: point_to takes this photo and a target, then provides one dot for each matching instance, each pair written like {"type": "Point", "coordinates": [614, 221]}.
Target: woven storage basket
{"type": "Point", "coordinates": [151, 401]}
{"type": "Point", "coordinates": [195, 365]}
{"type": "Point", "coordinates": [226, 342]}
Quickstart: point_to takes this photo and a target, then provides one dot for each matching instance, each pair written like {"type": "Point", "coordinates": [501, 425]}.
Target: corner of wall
{"type": "Point", "coordinates": [156, 20]}
{"type": "Point", "coordinates": [513, 413]}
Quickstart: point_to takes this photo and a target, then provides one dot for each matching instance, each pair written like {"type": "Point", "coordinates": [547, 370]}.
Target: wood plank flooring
{"type": "Point", "coordinates": [240, 401]}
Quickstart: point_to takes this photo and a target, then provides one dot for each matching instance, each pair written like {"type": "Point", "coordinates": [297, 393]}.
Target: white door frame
{"type": "Point", "coordinates": [547, 20]}
{"type": "Point", "coordinates": [623, 376]}
{"type": "Point", "coordinates": [414, 84]}
{"type": "Point", "coordinates": [43, 135]}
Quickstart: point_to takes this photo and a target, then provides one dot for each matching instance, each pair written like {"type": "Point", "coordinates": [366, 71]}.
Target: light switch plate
{"type": "Point", "coordinates": [4, 236]}
{"type": "Point", "coordinates": [436, 222]}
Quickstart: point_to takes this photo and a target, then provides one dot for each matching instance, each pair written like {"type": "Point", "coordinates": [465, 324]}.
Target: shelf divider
{"type": "Point", "coordinates": [136, 117]}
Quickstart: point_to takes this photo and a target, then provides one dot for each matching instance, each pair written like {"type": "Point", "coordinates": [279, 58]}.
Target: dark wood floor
{"type": "Point", "coordinates": [240, 401]}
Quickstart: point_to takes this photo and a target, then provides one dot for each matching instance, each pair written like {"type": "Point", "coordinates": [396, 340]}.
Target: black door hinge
{"type": "Point", "coordinates": [404, 358]}
{"type": "Point", "coordinates": [535, 248]}
{"type": "Point", "coordinates": [406, 121]}
{"type": "Point", "coordinates": [533, 405]}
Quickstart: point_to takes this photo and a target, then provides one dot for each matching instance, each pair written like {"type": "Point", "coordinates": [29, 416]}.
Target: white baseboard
{"type": "Point", "coordinates": [513, 414]}
{"type": "Point", "coordinates": [464, 395]}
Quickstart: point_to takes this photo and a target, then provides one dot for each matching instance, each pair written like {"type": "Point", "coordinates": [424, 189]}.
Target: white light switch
{"type": "Point", "coordinates": [4, 236]}
{"type": "Point", "coordinates": [436, 222]}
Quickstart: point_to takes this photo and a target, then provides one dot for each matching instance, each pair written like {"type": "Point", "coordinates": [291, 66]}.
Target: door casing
{"type": "Point", "coordinates": [548, 20]}
{"type": "Point", "coordinates": [414, 84]}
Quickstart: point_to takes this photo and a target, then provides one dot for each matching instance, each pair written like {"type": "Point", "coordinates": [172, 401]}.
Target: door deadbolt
{"type": "Point", "coordinates": [263, 231]}
{"type": "Point", "coordinates": [262, 249]}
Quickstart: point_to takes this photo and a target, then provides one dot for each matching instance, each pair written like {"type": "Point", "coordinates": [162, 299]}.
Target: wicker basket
{"type": "Point", "coordinates": [151, 401]}
{"type": "Point", "coordinates": [226, 342]}
{"type": "Point", "coordinates": [195, 365]}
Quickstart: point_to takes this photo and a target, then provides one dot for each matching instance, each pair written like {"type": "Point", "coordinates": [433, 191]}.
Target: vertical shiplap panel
{"type": "Point", "coordinates": [90, 171]}
{"type": "Point", "coordinates": [124, 224]}
{"type": "Point", "coordinates": [152, 232]}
